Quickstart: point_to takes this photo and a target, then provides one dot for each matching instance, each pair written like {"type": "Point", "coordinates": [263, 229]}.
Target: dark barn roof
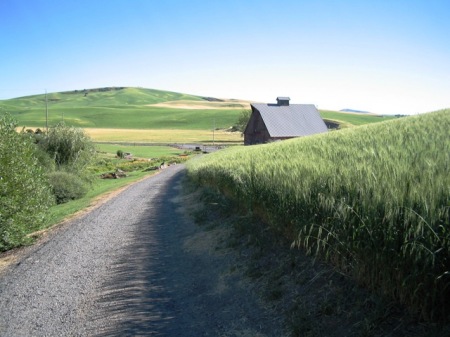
{"type": "Point", "coordinates": [294, 120]}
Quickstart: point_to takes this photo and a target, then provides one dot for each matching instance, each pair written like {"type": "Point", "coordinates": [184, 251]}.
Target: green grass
{"type": "Point", "coordinates": [120, 97]}
{"type": "Point", "coordinates": [99, 187]}
{"type": "Point", "coordinates": [131, 117]}
{"type": "Point", "coordinates": [372, 200]}
{"type": "Point", "coordinates": [139, 151]}
{"type": "Point", "coordinates": [135, 170]}
{"type": "Point", "coordinates": [108, 163]}
{"type": "Point", "coordinates": [124, 108]}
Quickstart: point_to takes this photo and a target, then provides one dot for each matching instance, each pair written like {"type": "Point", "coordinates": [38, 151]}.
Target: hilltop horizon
{"type": "Point", "coordinates": [141, 108]}
{"type": "Point", "coordinates": [190, 97]}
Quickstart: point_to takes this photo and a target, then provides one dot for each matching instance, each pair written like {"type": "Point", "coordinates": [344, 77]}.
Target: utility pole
{"type": "Point", "coordinates": [214, 128]}
{"type": "Point", "coordinates": [46, 111]}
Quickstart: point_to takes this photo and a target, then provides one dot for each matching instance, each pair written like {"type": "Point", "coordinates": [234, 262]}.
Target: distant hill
{"type": "Point", "coordinates": [125, 107]}
{"type": "Point", "coordinates": [110, 96]}
{"type": "Point", "coordinates": [350, 119]}
{"type": "Point", "coordinates": [355, 111]}
{"type": "Point", "coordinates": [141, 108]}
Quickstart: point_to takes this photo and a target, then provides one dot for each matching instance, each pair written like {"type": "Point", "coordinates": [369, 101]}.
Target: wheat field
{"type": "Point", "coordinates": [373, 200]}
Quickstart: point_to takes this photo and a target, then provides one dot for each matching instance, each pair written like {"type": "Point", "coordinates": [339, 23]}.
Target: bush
{"type": "Point", "coordinates": [47, 163]}
{"type": "Point", "coordinates": [66, 186]}
{"type": "Point", "coordinates": [120, 154]}
{"type": "Point", "coordinates": [25, 194]}
{"type": "Point", "coordinates": [70, 147]}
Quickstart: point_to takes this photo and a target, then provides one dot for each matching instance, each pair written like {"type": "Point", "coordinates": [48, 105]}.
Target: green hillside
{"type": "Point", "coordinates": [373, 200]}
{"type": "Point", "coordinates": [119, 108]}
{"type": "Point", "coordinates": [114, 96]}
{"type": "Point", "coordinates": [139, 108]}
{"type": "Point", "coordinates": [352, 119]}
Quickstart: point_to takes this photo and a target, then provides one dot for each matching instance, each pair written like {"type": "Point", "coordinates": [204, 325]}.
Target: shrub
{"type": "Point", "coordinates": [25, 194]}
{"type": "Point", "coordinates": [66, 186]}
{"type": "Point", "coordinates": [120, 154]}
{"type": "Point", "coordinates": [47, 163]}
{"type": "Point", "coordinates": [70, 147]}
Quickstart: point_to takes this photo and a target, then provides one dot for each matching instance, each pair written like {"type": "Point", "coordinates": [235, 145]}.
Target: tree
{"type": "Point", "coordinates": [243, 120]}
{"type": "Point", "coordinates": [25, 195]}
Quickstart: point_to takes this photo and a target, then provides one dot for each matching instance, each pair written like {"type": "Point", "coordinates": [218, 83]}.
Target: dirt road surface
{"type": "Point", "coordinates": [135, 266]}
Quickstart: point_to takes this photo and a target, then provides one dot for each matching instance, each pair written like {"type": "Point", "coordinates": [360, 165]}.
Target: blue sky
{"type": "Point", "coordinates": [379, 56]}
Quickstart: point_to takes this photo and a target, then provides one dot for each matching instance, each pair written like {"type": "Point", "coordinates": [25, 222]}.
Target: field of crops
{"type": "Point", "coordinates": [140, 108]}
{"type": "Point", "coordinates": [167, 136]}
{"type": "Point", "coordinates": [372, 200]}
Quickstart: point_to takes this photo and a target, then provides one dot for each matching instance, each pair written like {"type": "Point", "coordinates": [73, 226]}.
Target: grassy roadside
{"type": "Point", "coordinates": [313, 298]}
{"type": "Point", "coordinates": [135, 169]}
{"type": "Point", "coordinates": [110, 150]}
{"type": "Point", "coordinates": [101, 190]}
{"type": "Point", "coordinates": [98, 191]}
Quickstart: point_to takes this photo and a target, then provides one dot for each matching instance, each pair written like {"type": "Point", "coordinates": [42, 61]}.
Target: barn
{"type": "Point", "coordinates": [272, 122]}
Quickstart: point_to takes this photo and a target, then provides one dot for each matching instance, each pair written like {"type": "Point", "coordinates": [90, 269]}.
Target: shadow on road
{"type": "Point", "coordinates": [177, 279]}
{"type": "Point", "coordinates": [136, 300]}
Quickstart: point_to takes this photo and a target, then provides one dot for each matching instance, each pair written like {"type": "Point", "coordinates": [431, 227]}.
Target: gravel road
{"type": "Point", "coordinates": [135, 266]}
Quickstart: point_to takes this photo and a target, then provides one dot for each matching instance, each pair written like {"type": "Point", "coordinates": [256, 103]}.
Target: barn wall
{"type": "Point", "coordinates": [256, 131]}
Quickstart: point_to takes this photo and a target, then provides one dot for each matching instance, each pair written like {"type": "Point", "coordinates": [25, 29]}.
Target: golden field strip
{"type": "Point", "coordinates": [161, 136]}
{"type": "Point", "coordinates": [164, 136]}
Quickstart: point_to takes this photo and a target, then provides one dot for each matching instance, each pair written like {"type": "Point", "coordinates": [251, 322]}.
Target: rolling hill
{"type": "Point", "coordinates": [140, 108]}
{"type": "Point", "coordinates": [349, 119]}
{"type": "Point", "coordinates": [132, 108]}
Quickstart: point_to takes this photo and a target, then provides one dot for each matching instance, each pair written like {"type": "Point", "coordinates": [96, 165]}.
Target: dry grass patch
{"type": "Point", "coordinates": [163, 136]}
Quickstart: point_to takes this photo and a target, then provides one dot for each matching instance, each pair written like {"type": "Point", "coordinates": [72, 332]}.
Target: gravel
{"type": "Point", "coordinates": [135, 266]}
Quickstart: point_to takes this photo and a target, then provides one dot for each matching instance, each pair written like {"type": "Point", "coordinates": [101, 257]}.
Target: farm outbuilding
{"type": "Point", "coordinates": [272, 122]}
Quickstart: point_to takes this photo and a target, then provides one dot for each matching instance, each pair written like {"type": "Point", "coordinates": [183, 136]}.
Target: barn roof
{"type": "Point", "coordinates": [293, 120]}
